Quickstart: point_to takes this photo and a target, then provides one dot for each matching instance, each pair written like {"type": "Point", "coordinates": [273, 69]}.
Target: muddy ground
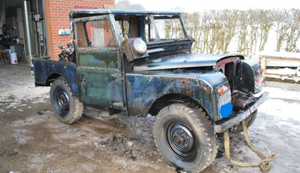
{"type": "Point", "coordinates": [33, 140]}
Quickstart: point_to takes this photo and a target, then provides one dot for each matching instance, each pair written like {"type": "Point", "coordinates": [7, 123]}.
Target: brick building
{"type": "Point", "coordinates": [57, 17]}
{"type": "Point", "coordinates": [34, 25]}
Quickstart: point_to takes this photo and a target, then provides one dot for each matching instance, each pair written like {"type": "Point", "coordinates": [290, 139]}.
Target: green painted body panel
{"type": "Point", "coordinates": [99, 78]}
{"type": "Point", "coordinates": [100, 88]}
{"type": "Point", "coordinates": [100, 58]}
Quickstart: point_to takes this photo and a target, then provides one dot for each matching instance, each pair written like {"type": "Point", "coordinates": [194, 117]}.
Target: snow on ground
{"type": "Point", "coordinates": [276, 130]}
{"type": "Point", "coordinates": [282, 104]}
{"type": "Point", "coordinates": [278, 125]}
{"type": "Point", "coordinates": [17, 86]}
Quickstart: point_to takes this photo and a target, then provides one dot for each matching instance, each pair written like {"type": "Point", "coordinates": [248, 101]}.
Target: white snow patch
{"type": "Point", "coordinates": [32, 120]}
{"type": "Point", "coordinates": [20, 137]}
{"type": "Point", "coordinates": [282, 109]}
{"type": "Point", "coordinates": [284, 71]}
{"type": "Point", "coordinates": [37, 160]}
{"type": "Point", "coordinates": [276, 130]}
{"type": "Point", "coordinates": [15, 97]}
{"type": "Point", "coordinates": [17, 86]}
{"type": "Point", "coordinates": [282, 93]}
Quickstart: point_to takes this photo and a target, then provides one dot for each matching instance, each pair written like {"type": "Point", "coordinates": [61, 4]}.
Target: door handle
{"type": "Point", "coordinates": [116, 75]}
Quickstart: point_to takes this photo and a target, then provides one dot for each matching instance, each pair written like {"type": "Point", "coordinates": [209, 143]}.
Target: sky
{"type": "Point", "coordinates": [200, 5]}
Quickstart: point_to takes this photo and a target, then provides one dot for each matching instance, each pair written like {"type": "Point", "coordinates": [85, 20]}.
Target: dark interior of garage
{"type": "Point", "coordinates": [22, 31]}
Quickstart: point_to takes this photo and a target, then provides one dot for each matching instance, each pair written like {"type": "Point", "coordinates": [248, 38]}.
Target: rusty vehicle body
{"type": "Point", "coordinates": [111, 73]}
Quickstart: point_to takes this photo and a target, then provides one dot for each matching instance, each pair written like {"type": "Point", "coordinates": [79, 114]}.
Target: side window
{"type": "Point", "coordinates": [80, 37]}
{"type": "Point", "coordinates": [149, 31]}
{"type": "Point", "coordinates": [128, 27]}
{"type": "Point", "coordinates": [136, 26]}
{"type": "Point", "coordinates": [123, 27]}
{"type": "Point", "coordinates": [169, 29]}
{"type": "Point", "coordinates": [95, 34]}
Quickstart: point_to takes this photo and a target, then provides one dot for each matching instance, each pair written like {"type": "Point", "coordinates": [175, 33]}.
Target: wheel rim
{"type": "Point", "coordinates": [181, 140]}
{"type": "Point", "coordinates": [62, 101]}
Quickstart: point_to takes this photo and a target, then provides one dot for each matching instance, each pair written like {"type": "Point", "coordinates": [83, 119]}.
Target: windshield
{"type": "Point", "coordinates": [150, 27]}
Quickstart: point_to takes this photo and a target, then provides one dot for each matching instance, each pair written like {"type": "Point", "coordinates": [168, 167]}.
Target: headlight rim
{"type": "Point", "coordinates": [139, 46]}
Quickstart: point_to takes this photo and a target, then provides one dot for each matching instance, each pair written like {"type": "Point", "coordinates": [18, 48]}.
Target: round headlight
{"type": "Point", "coordinates": [139, 46]}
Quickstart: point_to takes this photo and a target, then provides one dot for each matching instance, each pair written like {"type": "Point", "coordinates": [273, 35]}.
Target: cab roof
{"type": "Point", "coordinates": [76, 13]}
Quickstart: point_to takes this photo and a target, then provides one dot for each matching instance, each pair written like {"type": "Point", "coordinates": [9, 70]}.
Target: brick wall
{"type": "Point", "coordinates": [57, 17]}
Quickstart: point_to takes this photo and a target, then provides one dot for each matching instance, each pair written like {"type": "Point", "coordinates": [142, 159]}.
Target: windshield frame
{"type": "Point", "coordinates": [152, 18]}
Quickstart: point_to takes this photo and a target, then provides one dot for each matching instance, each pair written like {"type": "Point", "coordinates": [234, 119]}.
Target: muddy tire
{"type": "Point", "coordinates": [250, 120]}
{"type": "Point", "coordinates": [185, 137]}
{"type": "Point", "coordinates": [67, 108]}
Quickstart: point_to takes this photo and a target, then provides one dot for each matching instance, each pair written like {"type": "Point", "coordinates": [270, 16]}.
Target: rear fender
{"type": "Point", "coordinates": [46, 71]}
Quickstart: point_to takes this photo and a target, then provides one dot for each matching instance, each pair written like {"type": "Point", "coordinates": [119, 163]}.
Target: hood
{"type": "Point", "coordinates": [182, 61]}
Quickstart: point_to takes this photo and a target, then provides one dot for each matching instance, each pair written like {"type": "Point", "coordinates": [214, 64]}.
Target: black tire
{"type": "Point", "coordinates": [67, 108]}
{"type": "Point", "coordinates": [185, 137]}
{"type": "Point", "coordinates": [250, 120]}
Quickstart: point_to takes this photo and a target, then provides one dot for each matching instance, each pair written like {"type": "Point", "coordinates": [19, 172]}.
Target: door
{"type": "Point", "coordinates": [99, 69]}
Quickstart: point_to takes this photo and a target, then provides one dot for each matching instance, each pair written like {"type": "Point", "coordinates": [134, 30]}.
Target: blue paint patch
{"type": "Point", "coordinates": [32, 69]}
{"type": "Point", "coordinates": [44, 69]}
{"type": "Point", "coordinates": [226, 110]}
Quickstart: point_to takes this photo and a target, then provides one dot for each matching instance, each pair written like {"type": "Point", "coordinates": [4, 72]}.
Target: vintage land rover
{"type": "Point", "coordinates": [140, 62]}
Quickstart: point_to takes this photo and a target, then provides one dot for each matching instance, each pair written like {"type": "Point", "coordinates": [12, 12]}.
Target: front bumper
{"type": "Point", "coordinates": [220, 128]}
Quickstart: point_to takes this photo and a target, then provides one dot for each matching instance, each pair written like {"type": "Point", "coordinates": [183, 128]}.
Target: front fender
{"type": "Point", "coordinates": [144, 89]}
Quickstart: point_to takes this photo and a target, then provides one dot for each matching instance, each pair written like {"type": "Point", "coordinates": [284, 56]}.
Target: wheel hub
{"type": "Point", "coordinates": [62, 101]}
{"type": "Point", "coordinates": [180, 138]}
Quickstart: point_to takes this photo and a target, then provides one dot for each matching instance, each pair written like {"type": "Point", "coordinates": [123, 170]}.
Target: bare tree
{"type": "Point", "coordinates": [193, 25]}
{"type": "Point", "coordinates": [242, 33]}
{"type": "Point", "coordinates": [294, 30]}
{"type": "Point", "coordinates": [265, 24]}
{"type": "Point", "coordinates": [229, 22]}
{"type": "Point", "coordinates": [281, 27]}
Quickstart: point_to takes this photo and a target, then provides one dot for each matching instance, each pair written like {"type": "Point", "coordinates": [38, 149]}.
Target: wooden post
{"type": "Point", "coordinates": [263, 64]}
{"type": "Point", "coordinates": [282, 58]}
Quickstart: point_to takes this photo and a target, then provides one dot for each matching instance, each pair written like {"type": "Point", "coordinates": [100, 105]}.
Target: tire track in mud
{"type": "Point", "coordinates": [101, 125]}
